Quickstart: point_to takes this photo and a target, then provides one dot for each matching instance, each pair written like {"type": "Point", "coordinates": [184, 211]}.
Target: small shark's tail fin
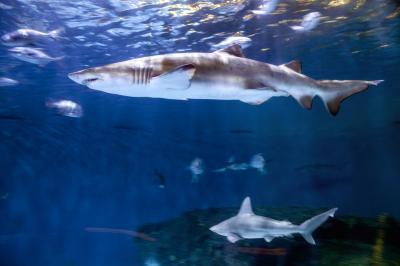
{"type": "Point", "coordinates": [335, 91]}
{"type": "Point", "coordinates": [308, 227]}
{"type": "Point", "coordinates": [56, 34]}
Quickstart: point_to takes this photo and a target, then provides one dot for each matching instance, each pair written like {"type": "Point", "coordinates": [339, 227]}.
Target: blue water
{"type": "Point", "coordinates": [59, 175]}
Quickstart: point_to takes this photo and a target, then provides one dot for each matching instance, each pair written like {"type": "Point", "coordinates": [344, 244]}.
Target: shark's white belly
{"type": "Point", "coordinates": [197, 90]}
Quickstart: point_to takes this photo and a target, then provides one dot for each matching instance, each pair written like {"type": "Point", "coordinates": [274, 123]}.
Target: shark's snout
{"type": "Point", "coordinates": [75, 76]}
{"type": "Point", "coordinates": [83, 77]}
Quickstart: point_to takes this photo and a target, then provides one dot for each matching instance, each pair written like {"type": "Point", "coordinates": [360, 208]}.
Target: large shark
{"type": "Point", "coordinates": [247, 225]}
{"type": "Point", "coordinates": [221, 75]}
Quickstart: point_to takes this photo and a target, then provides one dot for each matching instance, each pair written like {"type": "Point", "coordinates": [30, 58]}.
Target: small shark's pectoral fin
{"type": "Point", "coordinates": [268, 238]}
{"type": "Point", "coordinates": [233, 238]}
{"type": "Point", "coordinates": [178, 78]}
{"type": "Point", "coordinates": [294, 65]}
{"type": "Point", "coordinates": [235, 50]}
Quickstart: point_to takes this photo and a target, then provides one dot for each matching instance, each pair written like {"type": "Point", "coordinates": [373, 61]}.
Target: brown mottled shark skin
{"type": "Point", "coordinates": [221, 75]}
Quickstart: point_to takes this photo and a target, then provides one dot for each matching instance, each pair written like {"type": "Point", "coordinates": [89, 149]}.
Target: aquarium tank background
{"type": "Point", "coordinates": [93, 178]}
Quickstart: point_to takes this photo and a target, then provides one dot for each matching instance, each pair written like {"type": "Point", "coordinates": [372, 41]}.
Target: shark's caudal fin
{"type": "Point", "coordinates": [335, 91]}
{"type": "Point", "coordinates": [307, 228]}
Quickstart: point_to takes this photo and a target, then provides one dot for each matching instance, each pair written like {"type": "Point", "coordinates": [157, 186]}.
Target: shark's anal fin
{"type": "Point", "coordinates": [235, 50]}
{"type": "Point", "coordinates": [268, 238]}
{"type": "Point", "coordinates": [178, 78]}
{"type": "Point", "coordinates": [233, 238]}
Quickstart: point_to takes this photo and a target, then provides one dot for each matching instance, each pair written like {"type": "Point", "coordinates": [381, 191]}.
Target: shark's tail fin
{"type": "Point", "coordinates": [308, 227]}
{"type": "Point", "coordinates": [335, 91]}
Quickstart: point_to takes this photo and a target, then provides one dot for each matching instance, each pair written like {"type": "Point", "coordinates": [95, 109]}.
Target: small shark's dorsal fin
{"type": "Point", "coordinates": [294, 65]}
{"type": "Point", "coordinates": [245, 208]}
{"type": "Point", "coordinates": [235, 50]}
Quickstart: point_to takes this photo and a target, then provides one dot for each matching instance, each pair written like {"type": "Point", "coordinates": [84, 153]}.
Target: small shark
{"type": "Point", "coordinates": [32, 55]}
{"type": "Point", "coordinates": [247, 225]}
{"type": "Point", "coordinates": [22, 37]}
{"type": "Point", "coordinates": [221, 75]}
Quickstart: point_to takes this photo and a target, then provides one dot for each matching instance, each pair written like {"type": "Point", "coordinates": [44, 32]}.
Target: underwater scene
{"type": "Point", "coordinates": [181, 132]}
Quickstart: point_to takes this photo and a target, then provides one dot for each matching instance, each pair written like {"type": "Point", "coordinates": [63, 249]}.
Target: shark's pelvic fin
{"type": "Point", "coordinates": [178, 78]}
{"type": "Point", "coordinates": [233, 238]}
{"type": "Point", "coordinates": [307, 228]}
{"type": "Point", "coordinates": [294, 65]}
{"type": "Point", "coordinates": [336, 91]}
{"type": "Point", "coordinates": [235, 50]}
{"type": "Point", "coordinates": [245, 208]}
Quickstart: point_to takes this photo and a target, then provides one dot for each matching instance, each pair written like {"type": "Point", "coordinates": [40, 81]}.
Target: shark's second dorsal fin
{"type": "Point", "coordinates": [294, 65]}
{"type": "Point", "coordinates": [235, 50]}
{"type": "Point", "coordinates": [245, 208]}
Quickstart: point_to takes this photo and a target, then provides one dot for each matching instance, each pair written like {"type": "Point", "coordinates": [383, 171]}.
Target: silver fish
{"type": "Point", "coordinates": [221, 75]}
{"type": "Point", "coordinates": [310, 21]}
{"type": "Point", "coordinates": [266, 8]}
{"type": "Point", "coordinates": [197, 169]}
{"type": "Point", "coordinates": [66, 108]}
{"type": "Point", "coordinates": [244, 42]}
{"type": "Point", "coordinates": [24, 37]}
{"type": "Point", "coordinates": [258, 162]}
{"type": "Point", "coordinates": [32, 55]}
{"type": "Point", "coordinates": [247, 225]}
{"type": "Point", "coordinates": [7, 82]}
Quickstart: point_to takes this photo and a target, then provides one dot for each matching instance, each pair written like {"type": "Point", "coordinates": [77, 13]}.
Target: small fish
{"type": "Point", "coordinates": [267, 8]}
{"type": "Point", "coordinates": [32, 55]}
{"type": "Point", "coordinates": [66, 108]}
{"type": "Point", "coordinates": [197, 169]}
{"type": "Point", "coordinates": [258, 162]}
{"type": "Point", "coordinates": [258, 251]}
{"type": "Point", "coordinates": [161, 179]}
{"type": "Point", "coordinates": [244, 42]}
{"type": "Point", "coordinates": [120, 231]}
{"type": "Point", "coordinates": [24, 37]}
{"type": "Point", "coordinates": [7, 82]}
{"type": "Point", "coordinates": [310, 22]}
{"type": "Point", "coordinates": [11, 117]}
{"type": "Point", "coordinates": [4, 197]}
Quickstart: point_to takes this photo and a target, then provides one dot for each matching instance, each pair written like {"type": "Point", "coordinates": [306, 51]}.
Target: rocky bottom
{"type": "Point", "coordinates": [340, 241]}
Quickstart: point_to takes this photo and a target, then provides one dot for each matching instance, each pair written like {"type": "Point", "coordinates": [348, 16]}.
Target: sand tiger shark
{"type": "Point", "coordinates": [247, 225]}
{"type": "Point", "coordinates": [221, 75]}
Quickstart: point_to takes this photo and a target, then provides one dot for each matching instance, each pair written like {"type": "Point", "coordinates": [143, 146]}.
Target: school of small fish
{"type": "Point", "coordinates": [24, 43]}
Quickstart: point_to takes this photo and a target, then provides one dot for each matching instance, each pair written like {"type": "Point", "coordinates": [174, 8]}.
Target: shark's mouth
{"type": "Point", "coordinates": [89, 81]}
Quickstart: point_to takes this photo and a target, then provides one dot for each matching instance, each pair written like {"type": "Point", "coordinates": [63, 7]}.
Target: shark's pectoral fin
{"type": "Point", "coordinates": [255, 101]}
{"type": "Point", "coordinates": [233, 238]}
{"type": "Point", "coordinates": [268, 238]}
{"type": "Point", "coordinates": [257, 85]}
{"type": "Point", "coordinates": [177, 79]}
{"type": "Point", "coordinates": [294, 65]}
{"type": "Point", "coordinates": [235, 50]}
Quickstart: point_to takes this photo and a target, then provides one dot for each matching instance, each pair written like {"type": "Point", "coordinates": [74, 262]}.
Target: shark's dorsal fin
{"type": "Point", "coordinates": [235, 50]}
{"type": "Point", "coordinates": [245, 208]}
{"type": "Point", "coordinates": [294, 65]}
